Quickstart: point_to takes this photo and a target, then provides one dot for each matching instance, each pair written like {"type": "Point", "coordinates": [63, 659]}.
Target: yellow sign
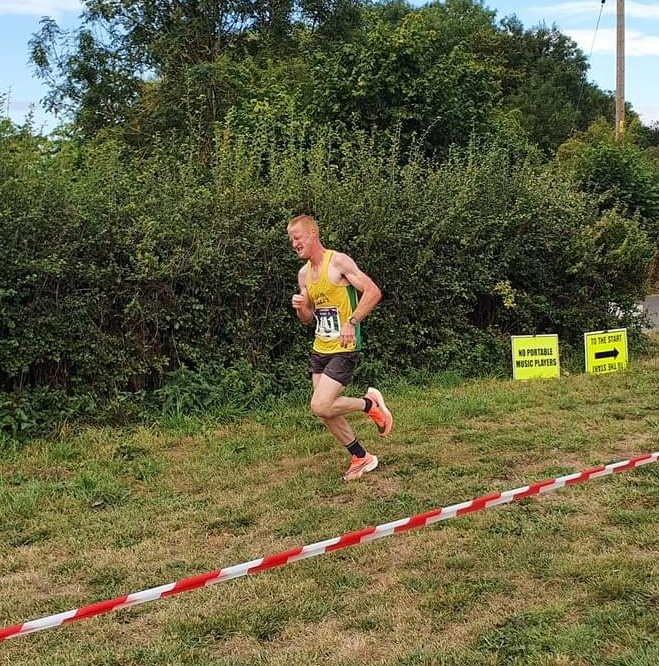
{"type": "Point", "coordinates": [535, 356]}
{"type": "Point", "coordinates": [606, 351]}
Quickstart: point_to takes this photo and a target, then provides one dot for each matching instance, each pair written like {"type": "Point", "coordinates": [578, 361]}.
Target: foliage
{"type": "Point", "coordinates": [441, 71]}
{"type": "Point", "coordinates": [433, 72]}
{"type": "Point", "coordinates": [545, 78]}
{"type": "Point", "coordinates": [622, 176]}
{"type": "Point", "coordinates": [144, 265]}
{"type": "Point", "coordinates": [99, 72]}
{"type": "Point", "coordinates": [125, 272]}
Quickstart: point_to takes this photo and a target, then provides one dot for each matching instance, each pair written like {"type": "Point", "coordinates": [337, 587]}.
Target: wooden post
{"type": "Point", "coordinates": [620, 70]}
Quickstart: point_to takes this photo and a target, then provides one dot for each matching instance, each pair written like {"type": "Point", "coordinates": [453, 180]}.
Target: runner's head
{"type": "Point", "coordinates": [303, 235]}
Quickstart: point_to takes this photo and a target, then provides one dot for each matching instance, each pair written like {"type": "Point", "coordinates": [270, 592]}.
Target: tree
{"type": "Point", "coordinates": [545, 77]}
{"type": "Point", "coordinates": [99, 72]}
{"type": "Point", "coordinates": [433, 71]}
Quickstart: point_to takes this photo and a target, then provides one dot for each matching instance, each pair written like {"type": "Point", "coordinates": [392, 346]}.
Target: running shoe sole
{"type": "Point", "coordinates": [353, 475]}
{"type": "Point", "coordinates": [389, 419]}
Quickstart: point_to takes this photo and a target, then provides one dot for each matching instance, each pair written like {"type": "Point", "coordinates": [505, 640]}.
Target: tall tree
{"type": "Point", "coordinates": [99, 71]}
{"type": "Point", "coordinates": [434, 71]}
{"type": "Point", "coordinates": [546, 79]}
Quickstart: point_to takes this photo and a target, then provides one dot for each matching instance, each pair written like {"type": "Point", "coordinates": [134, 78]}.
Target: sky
{"type": "Point", "coordinates": [22, 90]}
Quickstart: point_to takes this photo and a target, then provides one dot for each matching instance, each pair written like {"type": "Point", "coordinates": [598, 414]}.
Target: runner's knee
{"type": "Point", "coordinates": [320, 408]}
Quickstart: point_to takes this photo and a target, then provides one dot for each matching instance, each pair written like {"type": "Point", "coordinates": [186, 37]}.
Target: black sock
{"type": "Point", "coordinates": [356, 449]}
{"type": "Point", "coordinates": [368, 403]}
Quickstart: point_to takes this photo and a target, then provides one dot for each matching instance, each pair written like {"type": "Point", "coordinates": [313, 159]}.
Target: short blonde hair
{"type": "Point", "coordinates": [306, 221]}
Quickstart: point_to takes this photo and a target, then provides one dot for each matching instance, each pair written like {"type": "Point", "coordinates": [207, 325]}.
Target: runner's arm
{"type": "Point", "coordinates": [301, 303]}
{"type": "Point", "coordinates": [370, 292]}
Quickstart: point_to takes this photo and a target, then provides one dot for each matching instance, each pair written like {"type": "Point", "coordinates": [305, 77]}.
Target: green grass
{"type": "Point", "coordinates": [567, 578]}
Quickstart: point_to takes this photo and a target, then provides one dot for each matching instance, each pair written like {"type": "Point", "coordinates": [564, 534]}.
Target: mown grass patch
{"type": "Point", "coordinates": [567, 578]}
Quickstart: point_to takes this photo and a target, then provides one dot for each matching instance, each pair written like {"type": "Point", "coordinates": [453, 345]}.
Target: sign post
{"type": "Point", "coordinates": [535, 356]}
{"type": "Point", "coordinates": [605, 351]}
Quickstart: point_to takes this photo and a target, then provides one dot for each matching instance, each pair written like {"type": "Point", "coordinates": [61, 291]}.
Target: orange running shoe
{"type": "Point", "coordinates": [360, 465]}
{"type": "Point", "coordinates": [378, 413]}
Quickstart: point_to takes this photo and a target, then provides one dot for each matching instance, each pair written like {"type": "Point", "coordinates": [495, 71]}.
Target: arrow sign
{"type": "Point", "coordinates": [611, 353]}
{"type": "Point", "coordinates": [605, 351]}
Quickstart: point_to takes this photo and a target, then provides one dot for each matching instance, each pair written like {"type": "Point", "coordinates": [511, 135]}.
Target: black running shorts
{"type": "Point", "coordinates": [338, 366]}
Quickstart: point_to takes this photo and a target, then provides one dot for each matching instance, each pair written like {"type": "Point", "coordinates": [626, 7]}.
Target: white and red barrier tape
{"type": "Point", "coordinates": [337, 543]}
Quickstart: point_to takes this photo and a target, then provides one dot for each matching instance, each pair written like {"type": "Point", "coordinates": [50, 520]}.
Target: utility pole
{"type": "Point", "coordinates": [620, 70]}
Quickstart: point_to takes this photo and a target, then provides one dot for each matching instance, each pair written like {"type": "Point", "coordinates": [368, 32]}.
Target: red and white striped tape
{"type": "Point", "coordinates": [337, 543]}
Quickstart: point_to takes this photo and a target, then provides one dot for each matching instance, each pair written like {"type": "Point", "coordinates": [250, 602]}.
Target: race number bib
{"type": "Point", "coordinates": [328, 326]}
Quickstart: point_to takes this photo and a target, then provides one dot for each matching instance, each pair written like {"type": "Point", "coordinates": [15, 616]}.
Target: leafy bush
{"type": "Point", "coordinates": [145, 274]}
{"type": "Point", "coordinates": [622, 176]}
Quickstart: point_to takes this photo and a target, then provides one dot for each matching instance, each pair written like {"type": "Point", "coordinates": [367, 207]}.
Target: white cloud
{"type": "Point", "coordinates": [565, 9]}
{"type": "Point", "coordinates": [636, 43]}
{"type": "Point", "coordinates": [641, 10]}
{"type": "Point", "coordinates": [635, 10]}
{"type": "Point", "coordinates": [39, 7]}
{"type": "Point", "coordinates": [20, 106]}
{"type": "Point", "coordinates": [649, 113]}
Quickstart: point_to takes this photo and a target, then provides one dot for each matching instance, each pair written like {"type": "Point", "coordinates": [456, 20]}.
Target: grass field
{"type": "Point", "coordinates": [568, 578]}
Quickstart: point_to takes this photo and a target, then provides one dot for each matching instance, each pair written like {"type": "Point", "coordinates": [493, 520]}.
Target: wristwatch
{"type": "Point", "coordinates": [353, 321]}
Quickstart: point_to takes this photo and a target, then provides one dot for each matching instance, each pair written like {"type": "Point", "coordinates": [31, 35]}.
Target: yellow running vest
{"type": "Point", "coordinates": [333, 305]}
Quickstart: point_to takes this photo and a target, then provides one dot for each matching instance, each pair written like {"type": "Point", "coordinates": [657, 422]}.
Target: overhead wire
{"type": "Point", "coordinates": [590, 55]}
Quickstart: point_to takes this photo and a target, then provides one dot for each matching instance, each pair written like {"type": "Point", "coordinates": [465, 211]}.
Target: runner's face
{"type": "Point", "coordinates": [301, 240]}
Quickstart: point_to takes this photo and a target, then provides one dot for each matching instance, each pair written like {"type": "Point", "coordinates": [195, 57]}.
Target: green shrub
{"type": "Point", "coordinates": [133, 281]}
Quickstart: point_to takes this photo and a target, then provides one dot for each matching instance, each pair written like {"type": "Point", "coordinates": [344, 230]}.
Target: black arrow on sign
{"type": "Point", "coordinates": [612, 353]}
